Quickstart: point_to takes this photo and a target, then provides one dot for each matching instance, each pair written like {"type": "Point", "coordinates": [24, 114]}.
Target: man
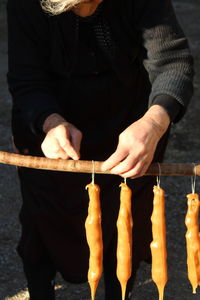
{"type": "Point", "coordinates": [96, 80]}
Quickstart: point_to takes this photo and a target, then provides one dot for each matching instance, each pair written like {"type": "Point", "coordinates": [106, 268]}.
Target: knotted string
{"type": "Point", "coordinates": [159, 175]}
{"type": "Point", "coordinates": [193, 180]}
{"type": "Point", "coordinates": [93, 171]}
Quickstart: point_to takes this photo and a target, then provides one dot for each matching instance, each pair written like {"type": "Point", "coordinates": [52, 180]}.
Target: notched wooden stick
{"type": "Point", "coordinates": [69, 165]}
{"type": "Point", "coordinates": [85, 166]}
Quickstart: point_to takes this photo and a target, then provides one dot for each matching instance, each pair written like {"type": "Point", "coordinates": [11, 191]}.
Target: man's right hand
{"type": "Point", "coordinates": [63, 140]}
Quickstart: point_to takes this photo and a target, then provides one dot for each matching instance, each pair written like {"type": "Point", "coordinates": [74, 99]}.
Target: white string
{"type": "Point", "coordinates": [93, 171]}
{"type": "Point", "coordinates": [125, 180]}
{"type": "Point", "coordinates": [193, 180]}
{"type": "Point", "coordinates": [159, 175]}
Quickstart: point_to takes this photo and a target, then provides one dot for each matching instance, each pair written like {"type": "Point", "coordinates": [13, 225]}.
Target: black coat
{"type": "Point", "coordinates": [101, 74]}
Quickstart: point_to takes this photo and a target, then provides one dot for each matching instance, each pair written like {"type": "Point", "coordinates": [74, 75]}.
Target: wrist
{"type": "Point", "coordinates": [171, 106]}
{"type": "Point", "coordinates": [52, 121]}
{"type": "Point", "coordinates": [159, 118]}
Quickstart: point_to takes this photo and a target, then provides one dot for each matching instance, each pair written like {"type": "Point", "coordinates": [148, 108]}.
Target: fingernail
{"type": "Point", "coordinates": [103, 167]}
{"type": "Point", "coordinates": [76, 157]}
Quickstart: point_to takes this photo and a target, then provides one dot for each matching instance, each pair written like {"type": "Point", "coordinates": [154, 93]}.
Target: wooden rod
{"type": "Point", "coordinates": [84, 166]}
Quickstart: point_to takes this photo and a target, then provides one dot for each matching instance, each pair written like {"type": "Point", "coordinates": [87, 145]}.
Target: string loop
{"type": "Point", "coordinates": [159, 175]}
{"type": "Point", "coordinates": [193, 179]}
{"type": "Point", "coordinates": [93, 171]}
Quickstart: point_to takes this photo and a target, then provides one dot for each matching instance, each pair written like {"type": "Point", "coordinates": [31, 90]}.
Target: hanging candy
{"type": "Point", "coordinates": [94, 237]}
{"type": "Point", "coordinates": [124, 244]}
{"type": "Point", "coordinates": [158, 245]}
{"type": "Point", "coordinates": [193, 240]}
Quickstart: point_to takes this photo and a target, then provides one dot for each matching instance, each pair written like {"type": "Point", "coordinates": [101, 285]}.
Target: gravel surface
{"type": "Point", "coordinates": [183, 148]}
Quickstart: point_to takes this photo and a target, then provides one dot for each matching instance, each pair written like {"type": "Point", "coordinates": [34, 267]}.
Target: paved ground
{"type": "Point", "coordinates": [184, 147]}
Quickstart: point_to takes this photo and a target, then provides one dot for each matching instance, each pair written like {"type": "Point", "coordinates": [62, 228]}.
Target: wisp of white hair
{"type": "Point", "coordinates": [56, 7]}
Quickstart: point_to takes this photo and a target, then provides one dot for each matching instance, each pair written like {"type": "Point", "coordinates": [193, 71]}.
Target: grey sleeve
{"type": "Point", "coordinates": [168, 61]}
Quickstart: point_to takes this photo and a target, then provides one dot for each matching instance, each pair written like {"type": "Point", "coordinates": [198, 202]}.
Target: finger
{"type": "Point", "coordinates": [114, 160]}
{"type": "Point", "coordinates": [76, 142]}
{"type": "Point", "coordinates": [69, 149]}
{"type": "Point", "coordinates": [65, 143]}
{"type": "Point", "coordinates": [56, 155]}
{"type": "Point", "coordinates": [138, 171]}
{"type": "Point", "coordinates": [52, 149]}
{"type": "Point", "coordinates": [124, 166]}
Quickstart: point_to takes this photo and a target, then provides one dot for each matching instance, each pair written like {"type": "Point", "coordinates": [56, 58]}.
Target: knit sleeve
{"type": "Point", "coordinates": [168, 59]}
{"type": "Point", "coordinates": [28, 54]}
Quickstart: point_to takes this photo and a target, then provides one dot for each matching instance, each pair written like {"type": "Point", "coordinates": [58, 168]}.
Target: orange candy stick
{"type": "Point", "coordinates": [193, 240]}
{"type": "Point", "coordinates": [124, 244]}
{"type": "Point", "coordinates": [94, 238]}
{"type": "Point", "coordinates": [158, 245]}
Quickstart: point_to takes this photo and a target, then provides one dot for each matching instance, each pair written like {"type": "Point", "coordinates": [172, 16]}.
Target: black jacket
{"type": "Point", "coordinates": [43, 53]}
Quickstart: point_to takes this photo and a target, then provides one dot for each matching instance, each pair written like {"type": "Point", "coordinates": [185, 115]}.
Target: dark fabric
{"type": "Point", "coordinates": [40, 280]}
{"type": "Point", "coordinates": [94, 76]}
{"type": "Point", "coordinates": [42, 51]}
{"type": "Point", "coordinates": [171, 106]}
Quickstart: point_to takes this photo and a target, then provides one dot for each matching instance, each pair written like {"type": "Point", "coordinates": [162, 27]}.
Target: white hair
{"type": "Point", "coordinates": [56, 7]}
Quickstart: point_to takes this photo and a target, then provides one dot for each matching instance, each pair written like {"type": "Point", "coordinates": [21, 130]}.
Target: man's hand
{"type": "Point", "coordinates": [137, 144]}
{"type": "Point", "coordinates": [62, 139]}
